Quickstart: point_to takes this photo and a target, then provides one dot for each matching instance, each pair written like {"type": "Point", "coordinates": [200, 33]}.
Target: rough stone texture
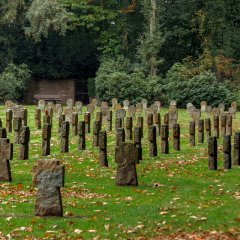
{"type": "Point", "coordinates": [38, 118]}
{"type": "Point", "coordinates": [221, 107]}
{"type": "Point", "coordinates": [200, 131]}
{"type": "Point", "coordinates": [81, 136]}
{"type": "Point", "coordinates": [64, 137]}
{"type": "Point", "coordinates": [223, 124]}
{"type": "Point", "coordinates": [216, 126]}
{"type": "Point", "coordinates": [48, 177]}
{"type": "Point", "coordinates": [99, 117]}
{"type": "Point", "coordinates": [3, 133]}
{"type": "Point", "coordinates": [126, 157]}
{"type": "Point", "coordinates": [103, 149]}
{"type": "Point", "coordinates": [120, 136]}
{"type": "Point", "coordinates": [149, 119]}
{"type": "Point", "coordinates": [208, 127]}
{"type": "Point", "coordinates": [229, 125]}
{"type": "Point", "coordinates": [176, 136]}
{"type": "Point", "coordinates": [236, 152]}
{"type": "Point", "coordinates": [114, 102]}
{"type": "Point", "coordinates": [87, 120]}
{"type": "Point", "coordinates": [203, 106]}
{"type": "Point", "coordinates": [152, 139]}
{"type": "Point", "coordinates": [144, 104]}
{"type": "Point", "coordinates": [9, 116]}
{"type": "Point", "coordinates": [78, 107]}
{"type": "Point", "coordinates": [129, 126]}
{"type": "Point", "coordinates": [166, 119]}
{"type": "Point", "coordinates": [118, 123]}
{"type": "Point", "coordinates": [227, 161]}
{"type": "Point", "coordinates": [157, 122]}
{"type": "Point", "coordinates": [24, 116]}
{"type": "Point", "coordinates": [96, 130]}
{"type": "Point", "coordinates": [137, 141]}
{"type": "Point", "coordinates": [173, 115]}
{"type": "Point", "coordinates": [125, 104]}
{"type": "Point", "coordinates": [46, 137]}
{"type": "Point", "coordinates": [17, 123]}
{"type": "Point", "coordinates": [212, 153]}
{"type": "Point", "coordinates": [215, 112]}
{"type": "Point", "coordinates": [68, 111]}
{"type": "Point", "coordinates": [158, 104]}
{"type": "Point", "coordinates": [24, 138]}
{"type": "Point", "coordinates": [104, 111]}
{"type": "Point", "coordinates": [109, 120]}
{"type": "Point", "coordinates": [131, 111]}
{"type": "Point", "coordinates": [58, 110]}
{"type": "Point", "coordinates": [140, 124]}
{"type": "Point", "coordinates": [74, 123]}
{"type": "Point", "coordinates": [192, 133]}
{"type": "Point", "coordinates": [164, 139]}
{"type": "Point", "coordinates": [70, 102]}
{"type": "Point", "coordinates": [6, 154]}
{"type": "Point", "coordinates": [61, 119]}
{"type": "Point", "coordinates": [47, 119]}
{"type": "Point", "coordinates": [139, 108]}
{"type": "Point", "coordinates": [121, 113]}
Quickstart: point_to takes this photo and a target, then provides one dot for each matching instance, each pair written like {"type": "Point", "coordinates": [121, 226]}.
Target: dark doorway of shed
{"type": "Point", "coordinates": [81, 90]}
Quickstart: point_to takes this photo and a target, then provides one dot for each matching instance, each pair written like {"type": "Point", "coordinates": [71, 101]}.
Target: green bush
{"type": "Point", "coordinates": [181, 86]}
{"type": "Point", "coordinates": [13, 81]}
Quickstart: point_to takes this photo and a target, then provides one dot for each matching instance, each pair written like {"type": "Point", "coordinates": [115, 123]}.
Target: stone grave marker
{"type": "Point", "coordinates": [78, 107]}
{"type": "Point", "coordinates": [24, 116]}
{"type": "Point", "coordinates": [9, 104]}
{"type": "Point", "coordinates": [208, 127]}
{"type": "Point", "coordinates": [234, 105]}
{"type": "Point", "coordinates": [236, 160]}
{"type": "Point", "coordinates": [131, 111]}
{"type": "Point", "coordinates": [192, 133]}
{"type": "Point", "coordinates": [154, 108]}
{"type": "Point", "coordinates": [46, 137]}
{"type": "Point", "coordinates": [139, 108]}
{"type": "Point", "coordinates": [232, 112]}
{"type": "Point", "coordinates": [70, 103]}
{"type": "Point", "coordinates": [61, 119]}
{"type": "Point", "coordinates": [104, 110]}
{"type": "Point", "coordinates": [74, 123]}
{"type": "Point", "coordinates": [58, 110]}
{"type": "Point", "coordinates": [158, 104]}
{"type": "Point", "coordinates": [125, 104]}
{"type": "Point", "coordinates": [223, 124]}
{"type": "Point", "coordinates": [109, 120]}
{"type": "Point", "coordinates": [209, 110]}
{"type": "Point", "coordinates": [173, 103]}
{"type": "Point", "coordinates": [129, 126]}
{"type": "Point", "coordinates": [221, 107]}
{"type": "Point", "coordinates": [17, 124]}
{"type": "Point", "coordinates": [41, 104]}
{"type": "Point", "coordinates": [65, 137]}
{"type": "Point", "coordinates": [6, 154]}
{"type": "Point", "coordinates": [176, 136]}
{"type": "Point", "coordinates": [38, 120]}
{"type": "Point", "coordinates": [144, 104]}
{"type": "Point", "coordinates": [90, 108]}
{"type": "Point", "coordinates": [152, 140]}
{"type": "Point", "coordinates": [126, 157]}
{"type": "Point", "coordinates": [48, 177]}
{"type": "Point", "coordinates": [189, 105]}
{"type": "Point", "coordinates": [216, 126]}
{"type": "Point", "coordinates": [215, 112]}
{"type": "Point", "coordinates": [203, 106]}
{"type": "Point", "coordinates": [140, 124]}
{"type": "Point", "coordinates": [200, 131]}
{"type": "Point", "coordinates": [81, 136]}
{"type": "Point", "coordinates": [87, 120]}
{"type": "Point", "coordinates": [120, 136]}
{"type": "Point", "coordinates": [114, 102]}
{"type": "Point", "coordinates": [138, 142]}
{"type": "Point", "coordinates": [227, 160]}
{"type": "Point", "coordinates": [68, 112]}
{"type": "Point", "coordinates": [96, 130]}
{"type": "Point", "coordinates": [103, 149]}
{"type": "Point", "coordinates": [117, 106]}
{"type": "Point", "coordinates": [121, 114]}
{"type": "Point", "coordinates": [173, 116]}
{"type": "Point", "coordinates": [164, 139]}
{"type": "Point", "coordinates": [9, 117]}
{"type": "Point", "coordinates": [24, 138]}
{"type": "Point", "coordinates": [212, 153]}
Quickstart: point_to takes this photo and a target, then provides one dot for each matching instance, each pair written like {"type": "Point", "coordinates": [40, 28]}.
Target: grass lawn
{"type": "Point", "coordinates": [176, 192]}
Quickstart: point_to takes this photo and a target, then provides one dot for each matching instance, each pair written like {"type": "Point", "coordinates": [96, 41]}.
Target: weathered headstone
{"type": "Point", "coordinates": [173, 116]}
{"type": "Point", "coordinates": [109, 120]}
{"type": "Point", "coordinates": [58, 110]}
{"type": "Point", "coordinates": [74, 123]}
{"type": "Point", "coordinates": [24, 138]}
{"type": "Point", "coordinates": [149, 119]}
{"type": "Point", "coordinates": [221, 107]}
{"type": "Point", "coordinates": [166, 119]}
{"type": "Point", "coordinates": [173, 103]}
{"type": "Point", "coordinates": [139, 108]}
{"type": "Point", "coordinates": [70, 103]}
{"type": "Point", "coordinates": [17, 123]}
{"type": "Point", "coordinates": [38, 123]}
{"type": "Point", "coordinates": [6, 154]}
{"type": "Point", "coordinates": [208, 127]}
{"type": "Point", "coordinates": [158, 104]}
{"type": "Point", "coordinates": [229, 125]}
{"type": "Point", "coordinates": [129, 126]}
{"type": "Point", "coordinates": [104, 111]}
{"type": "Point", "coordinates": [117, 107]}
{"type": "Point", "coordinates": [61, 119]}
{"type": "Point", "coordinates": [114, 102]}
{"type": "Point", "coordinates": [46, 137]}
{"type": "Point", "coordinates": [120, 136]}
{"type": "Point", "coordinates": [137, 141]}
{"type": "Point", "coordinates": [192, 133]}
{"type": "Point", "coordinates": [78, 107]}
{"type": "Point", "coordinates": [87, 120]}
{"type": "Point", "coordinates": [176, 136]}
{"type": "Point", "coordinates": [24, 116]}
{"type": "Point", "coordinates": [99, 117]}
{"type": "Point", "coordinates": [3, 133]}
{"type": "Point", "coordinates": [41, 104]}
{"type": "Point", "coordinates": [234, 105]}
{"type": "Point", "coordinates": [140, 124]}
{"type": "Point", "coordinates": [125, 104]}
{"type": "Point", "coordinates": [209, 110]}
{"type": "Point", "coordinates": [144, 104]}
{"type": "Point", "coordinates": [131, 111]}
{"type": "Point", "coordinates": [48, 177]}
{"type": "Point", "coordinates": [212, 153]}
{"type": "Point", "coordinates": [216, 126]}
{"type": "Point", "coordinates": [157, 122]}
{"type": "Point", "coordinates": [103, 149]}
{"type": "Point", "coordinates": [215, 112]}
{"type": "Point", "coordinates": [152, 139]}
{"type": "Point", "coordinates": [68, 112]}
{"type": "Point", "coordinates": [203, 106]}
{"type": "Point", "coordinates": [227, 161]}
{"type": "Point", "coordinates": [200, 131]}
{"type": "Point", "coordinates": [236, 151]}
{"type": "Point", "coordinates": [118, 123]}
{"type": "Point", "coordinates": [120, 113]}
{"type": "Point", "coordinates": [90, 109]}
{"type": "Point", "coordinates": [96, 130]}
{"type": "Point", "coordinates": [64, 137]}
{"type": "Point", "coordinates": [9, 117]}
{"type": "Point", "coordinates": [232, 112]}
{"type": "Point", "coordinates": [164, 139]}
{"type": "Point", "coordinates": [81, 136]}
{"type": "Point", "coordinates": [223, 124]}
{"type": "Point", "coordinates": [126, 157]}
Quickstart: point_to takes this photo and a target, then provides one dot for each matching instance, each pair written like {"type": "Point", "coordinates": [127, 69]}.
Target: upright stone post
{"type": "Point", "coordinates": [229, 125]}
{"type": "Point", "coordinates": [157, 121]}
{"type": "Point", "coordinates": [152, 139]}
{"type": "Point", "coordinates": [192, 133]}
{"type": "Point", "coordinates": [9, 116]}
{"type": "Point", "coordinates": [38, 124]}
{"type": "Point", "coordinates": [227, 162]}
{"type": "Point", "coordinates": [74, 123]}
{"type": "Point", "coordinates": [109, 120]}
{"type": "Point", "coordinates": [216, 126]}
{"type": "Point", "coordinates": [81, 136]}
{"type": "Point", "coordinates": [137, 141]}
{"type": "Point", "coordinates": [103, 149]}
{"type": "Point", "coordinates": [3, 133]}
{"type": "Point", "coordinates": [212, 153]}
{"type": "Point", "coordinates": [17, 123]}
{"type": "Point", "coordinates": [6, 154]}
{"type": "Point", "coordinates": [208, 127]}
{"type": "Point", "coordinates": [118, 123]}
{"type": "Point", "coordinates": [120, 136]}
{"type": "Point", "coordinates": [176, 136]}
{"type": "Point", "coordinates": [48, 177]}
{"type": "Point", "coordinates": [126, 157]}
{"type": "Point", "coordinates": [236, 149]}
{"type": "Point", "coordinates": [24, 139]}
{"type": "Point", "coordinates": [47, 119]}
{"type": "Point", "coordinates": [200, 131]}
{"type": "Point", "coordinates": [164, 139]}
{"type": "Point", "coordinates": [149, 119]}
{"type": "Point", "coordinates": [64, 137]}
{"type": "Point", "coordinates": [140, 124]}
{"type": "Point", "coordinates": [87, 120]}
{"type": "Point", "coordinates": [99, 118]}
{"type": "Point", "coordinates": [223, 124]}
{"type": "Point", "coordinates": [129, 126]}
{"type": "Point", "coordinates": [61, 119]}
{"type": "Point", "coordinates": [46, 137]}
{"type": "Point", "coordinates": [166, 119]}
{"type": "Point", "coordinates": [96, 130]}
{"type": "Point", "coordinates": [24, 116]}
